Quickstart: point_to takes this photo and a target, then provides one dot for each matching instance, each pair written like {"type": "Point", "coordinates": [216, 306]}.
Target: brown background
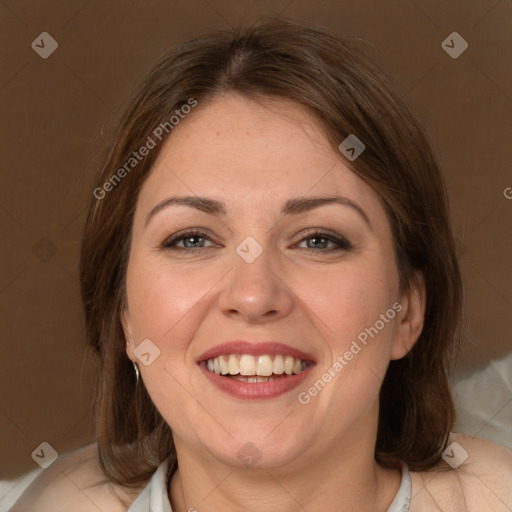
{"type": "Point", "coordinates": [58, 114]}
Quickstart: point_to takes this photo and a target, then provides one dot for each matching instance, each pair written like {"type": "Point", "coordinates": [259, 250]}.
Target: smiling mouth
{"type": "Point", "coordinates": [252, 369]}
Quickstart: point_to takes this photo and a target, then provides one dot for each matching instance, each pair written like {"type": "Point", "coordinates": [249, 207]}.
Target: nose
{"type": "Point", "coordinates": [255, 292]}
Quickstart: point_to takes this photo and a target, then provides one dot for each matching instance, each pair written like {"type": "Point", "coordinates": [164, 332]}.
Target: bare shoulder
{"type": "Point", "coordinates": [74, 482]}
{"type": "Point", "coordinates": [475, 476]}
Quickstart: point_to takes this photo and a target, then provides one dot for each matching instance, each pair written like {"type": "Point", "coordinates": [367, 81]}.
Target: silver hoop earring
{"type": "Point", "coordinates": [137, 373]}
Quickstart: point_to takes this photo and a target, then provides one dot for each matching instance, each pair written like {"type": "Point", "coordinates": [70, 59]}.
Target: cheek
{"type": "Point", "coordinates": [162, 299]}
{"type": "Point", "coordinates": [354, 312]}
{"type": "Point", "coordinates": [348, 300]}
{"type": "Point", "coordinates": [165, 306]}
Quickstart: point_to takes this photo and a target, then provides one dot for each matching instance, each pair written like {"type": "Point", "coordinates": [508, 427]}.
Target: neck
{"type": "Point", "coordinates": [343, 479]}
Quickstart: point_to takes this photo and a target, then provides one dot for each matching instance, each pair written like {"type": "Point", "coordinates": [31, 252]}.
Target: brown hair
{"type": "Point", "coordinates": [349, 94]}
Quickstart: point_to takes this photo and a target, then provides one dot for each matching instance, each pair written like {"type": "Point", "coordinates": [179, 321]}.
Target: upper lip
{"type": "Point", "coordinates": [254, 348]}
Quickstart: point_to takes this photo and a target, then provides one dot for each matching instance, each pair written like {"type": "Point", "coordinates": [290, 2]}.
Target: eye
{"type": "Point", "coordinates": [325, 242]}
{"type": "Point", "coordinates": [190, 240]}
{"type": "Point", "coordinates": [315, 241]}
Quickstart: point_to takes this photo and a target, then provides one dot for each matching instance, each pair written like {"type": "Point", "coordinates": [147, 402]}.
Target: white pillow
{"type": "Point", "coordinates": [483, 401]}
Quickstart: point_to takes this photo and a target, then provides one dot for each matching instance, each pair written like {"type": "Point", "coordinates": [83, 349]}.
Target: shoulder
{"type": "Point", "coordinates": [475, 475]}
{"type": "Point", "coordinates": [74, 482]}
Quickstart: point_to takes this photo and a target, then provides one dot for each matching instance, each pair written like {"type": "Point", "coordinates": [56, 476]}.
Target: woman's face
{"type": "Point", "coordinates": [253, 275]}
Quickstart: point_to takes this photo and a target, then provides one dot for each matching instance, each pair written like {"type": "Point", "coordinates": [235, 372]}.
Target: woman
{"type": "Point", "coordinates": [269, 277]}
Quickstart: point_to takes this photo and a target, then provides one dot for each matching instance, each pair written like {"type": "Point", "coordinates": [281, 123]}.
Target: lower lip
{"type": "Point", "coordinates": [255, 390]}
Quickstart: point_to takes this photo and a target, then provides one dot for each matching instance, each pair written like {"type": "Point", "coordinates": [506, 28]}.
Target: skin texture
{"type": "Point", "coordinates": [254, 156]}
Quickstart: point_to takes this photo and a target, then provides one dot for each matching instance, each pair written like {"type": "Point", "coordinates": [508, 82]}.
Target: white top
{"type": "Point", "coordinates": [154, 497]}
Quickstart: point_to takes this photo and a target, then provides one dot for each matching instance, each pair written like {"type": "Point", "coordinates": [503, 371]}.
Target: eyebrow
{"type": "Point", "coordinates": [291, 207]}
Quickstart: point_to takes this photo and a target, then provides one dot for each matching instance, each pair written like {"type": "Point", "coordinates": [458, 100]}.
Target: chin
{"type": "Point", "coordinates": [258, 450]}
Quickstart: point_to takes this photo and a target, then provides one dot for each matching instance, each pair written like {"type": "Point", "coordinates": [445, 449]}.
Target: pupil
{"type": "Point", "coordinates": [316, 241]}
{"type": "Point", "coordinates": [190, 241]}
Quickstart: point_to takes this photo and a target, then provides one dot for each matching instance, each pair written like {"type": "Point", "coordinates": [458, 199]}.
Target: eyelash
{"type": "Point", "coordinates": [342, 243]}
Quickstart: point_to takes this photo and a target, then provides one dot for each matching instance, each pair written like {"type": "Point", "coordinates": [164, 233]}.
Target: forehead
{"type": "Point", "coordinates": [249, 152]}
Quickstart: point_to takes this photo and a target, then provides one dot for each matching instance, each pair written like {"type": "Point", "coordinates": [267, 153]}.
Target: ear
{"type": "Point", "coordinates": [127, 329]}
{"type": "Point", "coordinates": [411, 318]}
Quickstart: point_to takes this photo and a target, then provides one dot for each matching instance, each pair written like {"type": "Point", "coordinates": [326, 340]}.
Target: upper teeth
{"type": "Point", "coordinates": [245, 364]}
